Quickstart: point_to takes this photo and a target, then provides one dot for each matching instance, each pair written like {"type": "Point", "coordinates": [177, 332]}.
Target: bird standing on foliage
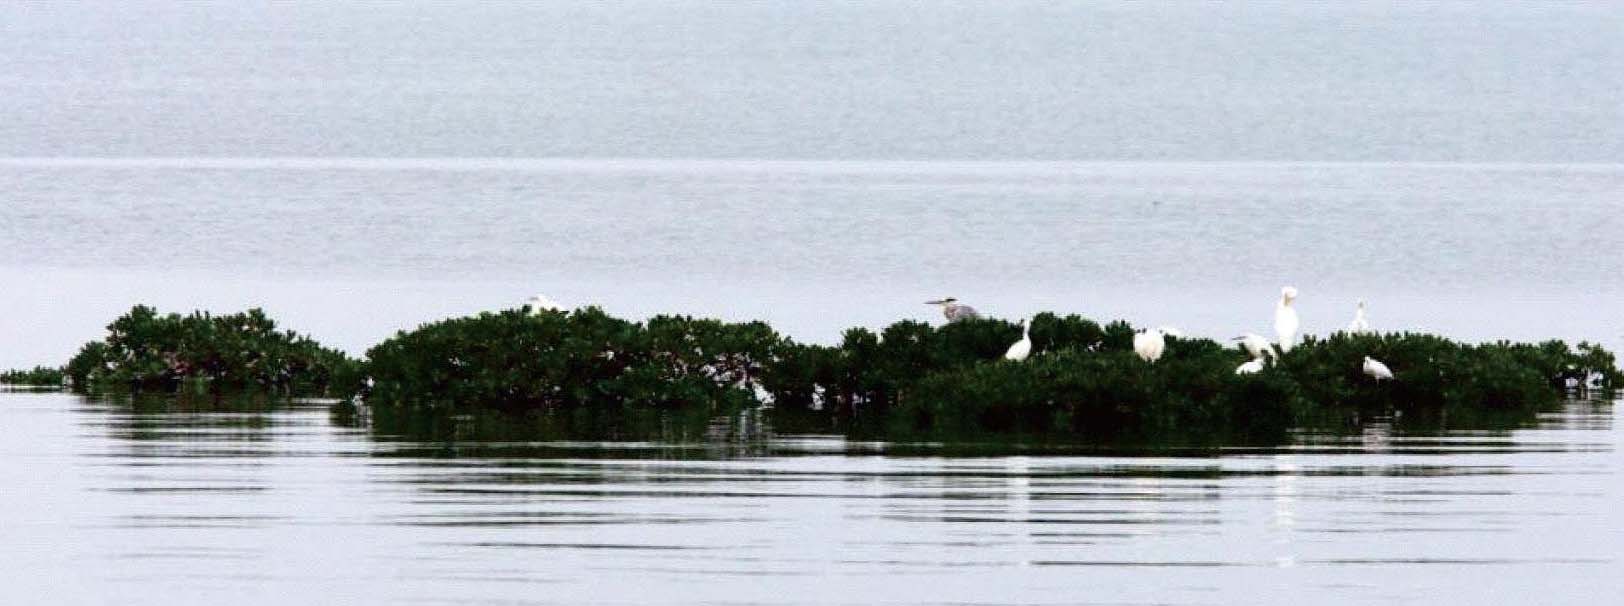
{"type": "Point", "coordinates": [1285, 319]}
{"type": "Point", "coordinates": [1151, 343]}
{"type": "Point", "coordinates": [1359, 325]}
{"type": "Point", "coordinates": [541, 303]}
{"type": "Point", "coordinates": [955, 311]}
{"type": "Point", "coordinates": [1255, 345]}
{"type": "Point", "coordinates": [1022, 348]}
{"type": "Point", "coordinates": [1376, 370]}
{"type": "Point", "coordinates": [1251, 367]}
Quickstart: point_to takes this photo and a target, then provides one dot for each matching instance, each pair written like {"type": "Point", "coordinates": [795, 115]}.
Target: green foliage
{"type": "Point", "coordinates": [144, 350]}
{"type": "Point", "coordinates": [1083, 380]}
{"type": "Point", "coordinates": [517, 361]}
{"type": "Point", "coordinates": [868, 373]}
{"type": "Point", "coordinates": [1102, 395]}
{"type": "Point", "coordinates": [39, 376]}
{"type": "Point", "coordinates": [911, 378]}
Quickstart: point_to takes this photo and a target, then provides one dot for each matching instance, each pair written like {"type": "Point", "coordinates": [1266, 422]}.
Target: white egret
{"type": "Point", "coordinates": [1359, 325]}
{"type": "Point", "coordinates": [1150, 344]}
{"type": "Point", "coordinates": [1251, 367]}
{"type": "Point", "coordinates": [1256, 345]}
{"type": "Point", "coordinates": [541, 303]}
{"type": "Point", "coordinates": [1022, 348]}
{"type": "Point", "coordinates": [1285, 319]}
{"type": "Point", "coordinates": [1376, 370]}
{"type": "Point", "coordinates": [954, 311]}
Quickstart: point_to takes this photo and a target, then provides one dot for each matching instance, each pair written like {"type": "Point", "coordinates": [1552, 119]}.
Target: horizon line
{"type": "Point", "coordinates": [657, 164]}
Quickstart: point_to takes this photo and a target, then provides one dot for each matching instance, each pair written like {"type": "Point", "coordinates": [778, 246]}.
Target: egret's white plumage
{"type": "Point", "coordinates": [1376, 370]}
{"type": "Point", "coordinates": [1022, 348]}
{"type": "Point", "coordinates": [1253, 366]}
{"type": "Point", "coordinates": [1255, 345]}
{"type": "Point", "coordinates": [1150, 344]}
{"type": "Point", "coordinates": [541, 303]}
{"type": "Point", "coordinates": [1285, 319]}
{"type": "Point", "coordinates": [1359, 325]}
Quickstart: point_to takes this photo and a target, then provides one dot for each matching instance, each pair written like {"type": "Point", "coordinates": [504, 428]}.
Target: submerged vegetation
{"type": "Point", "coordinates": [1082, 380]}
{"type": "Point", "coordinates": [147, 351]}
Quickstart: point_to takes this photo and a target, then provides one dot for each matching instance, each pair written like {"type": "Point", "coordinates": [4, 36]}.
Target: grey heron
{"type": "Point", "coordinates": [954, 311]}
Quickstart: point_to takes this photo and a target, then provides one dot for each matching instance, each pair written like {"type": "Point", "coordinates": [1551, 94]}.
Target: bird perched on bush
{"type": "Point", "coordinates": [541, 303]}
{"type": "Point", "coordinates": [1376, 370]}
{"type": "Point", "coordinates": [1359, 325]}
{"type": "Point", "coordinates": [1255, 345]}
{"type": "Point", "coordinates": [1253, 366]}
{"type": "Point", "coordinates": [1286, 322]}
{"type": "Point", "coordinates": [954, 311]}
{"type": "Point", "coordinates": [1022, 348]}
{"type": "Point", "coordinates": [1151, 343]}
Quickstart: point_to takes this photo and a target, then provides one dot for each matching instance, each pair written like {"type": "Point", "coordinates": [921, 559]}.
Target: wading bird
{"type": "Point", "coordinates": [1359, 325]}
{"type": "Point", "coordinates": [1285, 319]}
{"type": "Point", "coordinates": [1150, 344]}
{"type": "Point", "coordinates": [1251, 367]}
{"type": "Point", "coordinates": [954, 311]}
{"type": "Point", "coordinates": [541, 303]}
{"type": "Point", "coordinates": [1255, 345]}
{"type": "Point", "coordinates": [1022, 348]}
{"type": "Point", "coordinates": [1376, 370]}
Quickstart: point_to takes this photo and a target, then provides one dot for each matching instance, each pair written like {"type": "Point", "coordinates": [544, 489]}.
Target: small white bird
{"type": "Point", "coordinates": [1359, 325]}
{"type": "Point", "coordinates": [1256, 345]}
{"type": "Point", "coordinates": [541, 303]}
{"type": "Point", "coordinates": [1150, 344]}
{"type": "Point", "coordinates": [1251, 367]}
{"type": "Point", "coordinates": [1022, 348]}
{"type": "Point", "coordinates": [1376, 370]}
{"type": "Point", "coordinates": [1286, 322]}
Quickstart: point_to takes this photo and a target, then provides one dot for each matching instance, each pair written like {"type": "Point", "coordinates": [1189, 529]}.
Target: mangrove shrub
{"type": "Point", "coordinates": [145, 350]}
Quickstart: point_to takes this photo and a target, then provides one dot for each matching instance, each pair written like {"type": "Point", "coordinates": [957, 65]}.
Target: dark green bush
{"type": "Point", "coordinates": [516, 361]}
{"type": "Point", "coordinates": [144, 350]}
{"type": "Point", "coordinates": [1083, 380]}
{"type": "Point", "coordinates": [39, 376]}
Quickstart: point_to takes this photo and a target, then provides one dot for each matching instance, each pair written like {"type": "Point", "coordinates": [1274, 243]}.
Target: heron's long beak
{"type": "Point", "coordinates": [935, 302]}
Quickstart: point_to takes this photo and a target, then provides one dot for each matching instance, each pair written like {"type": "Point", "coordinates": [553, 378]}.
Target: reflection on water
{"type": "Point", "coordinates": [268, 502]}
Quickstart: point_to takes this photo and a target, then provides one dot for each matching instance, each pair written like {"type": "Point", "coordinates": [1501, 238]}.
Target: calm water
{"type": "Point", "coordinates": [352, 250]}
{"type": "Point", "coordinates": [163, 505]}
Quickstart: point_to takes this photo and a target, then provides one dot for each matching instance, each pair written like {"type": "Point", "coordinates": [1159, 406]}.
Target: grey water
{"type": "Point", "coordinates": [112, 503]}
{"type": "Point", "coordinates": [358, 169]}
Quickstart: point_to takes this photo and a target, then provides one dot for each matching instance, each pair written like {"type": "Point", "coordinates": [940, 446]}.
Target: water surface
{"type": "Point", "coordinates": [167, 503]}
